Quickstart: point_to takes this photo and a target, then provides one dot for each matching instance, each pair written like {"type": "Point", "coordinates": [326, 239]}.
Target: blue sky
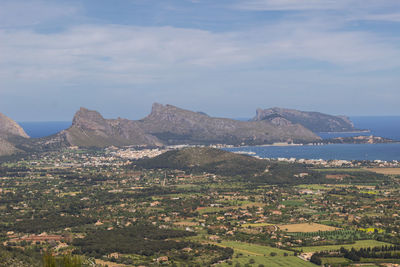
{"type": "Point", "coordinates": [225, 58]}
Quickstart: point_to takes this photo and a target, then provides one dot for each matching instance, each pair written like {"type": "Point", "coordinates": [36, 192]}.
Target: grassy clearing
{"type": "Point", "coordinates": [210, 210]}
{"type": "Point", "coordinates": [253, 249]}
{"type": "Point", "coordinates": [270, 261]}
{"type": "Point", "coordinates": [245, 252]}
{"type": "Point", "coordinates": [356, 245]}
{"type": "Point", "coordinates": [334, 260]}
{"type": "Point", "coordinates": [313, 186]}
{"type": "Point", "coordinates": [386, 171]}
{"type": "Point", "coordinates": [306, 227]}
{"type": "Point", "coordinates": [255, 225]}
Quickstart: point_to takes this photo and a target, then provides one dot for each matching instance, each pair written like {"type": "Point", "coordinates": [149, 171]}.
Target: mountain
{"type": "Point", "coordinates": [173, 125]}
{"type": "Point", "coordinates": [169, 125]}
{"type": "Point", "coordinates": [90, 129]}
{"type": "Point", "coordinates": [314, 121]}
{"type": "Point", "coordinates": [165, 125]}
{"type": "Point", "coordinates": [9, 132]}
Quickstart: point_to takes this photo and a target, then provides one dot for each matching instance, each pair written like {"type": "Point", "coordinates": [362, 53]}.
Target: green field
{"type": "Point", "coordinates": [268, 261]}
{"type": "Point", "coordinates": [313, 186]}
{"type": "Point", "coordinates": [357, 245]}
{"type": "Point", "coordinates": [334, 260]}
{"type": "Point", "coordinates": [244, 252]}
{"type": "Point", "coordinates": [246, 225]}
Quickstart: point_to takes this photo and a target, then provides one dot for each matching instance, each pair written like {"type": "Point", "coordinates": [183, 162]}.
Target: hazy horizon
{"type": "Point", "coordinates": [228, 117]}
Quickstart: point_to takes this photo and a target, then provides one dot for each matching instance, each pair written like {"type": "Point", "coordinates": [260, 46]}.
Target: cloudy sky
{"type": "Point", "coordinates": [223, 57]}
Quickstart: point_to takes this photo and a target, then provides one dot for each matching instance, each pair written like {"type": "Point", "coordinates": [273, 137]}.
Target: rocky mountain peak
{"type": "Point", "coordinates": [89, 119]}
{"type": "Point", "coordinates": [8, 127]}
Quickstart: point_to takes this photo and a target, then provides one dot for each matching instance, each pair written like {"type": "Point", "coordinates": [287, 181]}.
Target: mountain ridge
{"type": "Point", "coordinates": [174, 125]}
{"type": "Point", "coordinates": [171, 125]}
{"type": "Point", "coordinates": [314, 121]}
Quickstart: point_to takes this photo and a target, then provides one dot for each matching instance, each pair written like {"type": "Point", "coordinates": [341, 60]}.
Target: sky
{"type": "Point", "coordinates": [225, 58]}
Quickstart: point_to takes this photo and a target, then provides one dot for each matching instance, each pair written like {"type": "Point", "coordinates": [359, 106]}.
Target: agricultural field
{"type": "Point", "coordinates": [255, 254]}
{"type": "Point", "coordinates": [306, 227]}
{"type": "Point", "coordinates": [386, 171]}
{"type": "Point", "coordinates": [356, 245]}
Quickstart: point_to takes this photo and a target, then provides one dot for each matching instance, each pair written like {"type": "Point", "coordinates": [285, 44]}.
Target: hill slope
{"type": "Point", "coordinates": [202, 159]}
{"type": "Point", "coordinates": [9, 131]}
{"type": "Point", "coordinates": [224, 163]}
{"type": "Point", "coordinates": [315, 121]}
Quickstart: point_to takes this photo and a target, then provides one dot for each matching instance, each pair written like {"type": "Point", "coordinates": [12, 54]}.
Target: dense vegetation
{"type": "Point", "coordinates": [199, 160]}
{"type": "Point", "coordinates": [140, 239]}
{"type": "Point", "coordinates": [53, 222]}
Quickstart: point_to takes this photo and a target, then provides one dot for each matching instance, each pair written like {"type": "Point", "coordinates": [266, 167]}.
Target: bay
{"type": "Point", "coordinates": [37, 129]}
{"type": "Point", "coordinates": [387, 152]}
{"type": "Point", "coordinates": [384, 126]}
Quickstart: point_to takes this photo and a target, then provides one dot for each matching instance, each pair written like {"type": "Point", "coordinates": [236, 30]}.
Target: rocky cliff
{"type": "Point", "coordinates": [89, 128]}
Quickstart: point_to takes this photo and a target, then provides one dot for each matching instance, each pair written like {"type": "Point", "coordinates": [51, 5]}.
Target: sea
{"type": "Point", "coordinates": [384, 126]}
{"type": "Point", "coordinates": [39, 129]}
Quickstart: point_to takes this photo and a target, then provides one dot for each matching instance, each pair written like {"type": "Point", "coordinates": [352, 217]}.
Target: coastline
{"type": "Point", "coordinates": [360, 152]}
{"type": "Point", "coordinates": [347, 132]}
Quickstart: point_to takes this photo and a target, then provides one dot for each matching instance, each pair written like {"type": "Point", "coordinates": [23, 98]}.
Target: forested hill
{"type": "Point", "coordinates": [202, 159]}
{"type": "Point", "coordinates": [242, 167]}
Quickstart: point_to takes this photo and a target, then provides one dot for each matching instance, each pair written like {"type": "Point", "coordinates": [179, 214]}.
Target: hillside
{"type": "Point", "coordinates": [201, 159]}
{"type": "Point", "coordinates": [9, 132]}
{"type": "Point", "coordinates": [314, 121]}
{"type": "Point", "coordinates": [8, 128]}
{"type": "Point", "coordinates": [224, 163]}
{"type": "Point", "coordinates": [6, 148]}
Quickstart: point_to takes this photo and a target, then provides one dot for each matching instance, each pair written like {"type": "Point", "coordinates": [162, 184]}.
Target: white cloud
{"type": "Point", "coordinates": [137, 55]}
{"type": "Point", "coordinates": [392, 17]}
{"type": "Point", "coordinates": [299, 59]}
{"type": "Point", "coordinates": [287, 4]}
{"type": "Point", "coordinates": [302, 5]}
{"type": "Point", "coordinates": [21, 13]}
